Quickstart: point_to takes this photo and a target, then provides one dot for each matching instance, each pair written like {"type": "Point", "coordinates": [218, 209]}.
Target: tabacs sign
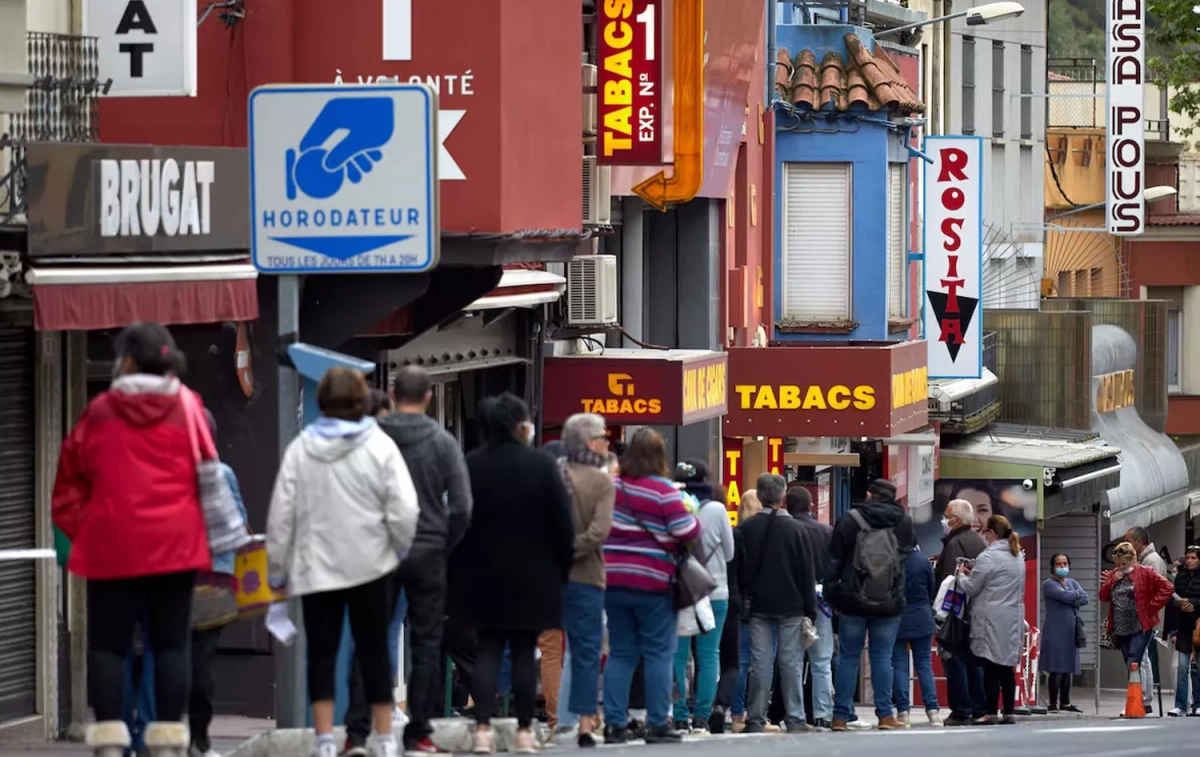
{"type": "Point", "coordinates": [622, 399]}
{"type": "Point", "coordinates": [629, 82]}
{"type": "Point", "coordinates": [147, 47]}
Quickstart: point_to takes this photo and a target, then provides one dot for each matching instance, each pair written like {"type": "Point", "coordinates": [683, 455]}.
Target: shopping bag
{"type": "Point", "coordinates": [222, 517]}
{"type": "Point", "coordinates": [697, 619]}
{"type": "Point", "coordinates": [254, 594]}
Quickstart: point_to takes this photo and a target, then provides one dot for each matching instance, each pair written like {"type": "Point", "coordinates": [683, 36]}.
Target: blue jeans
{"type": "Point", "coordinates": [583, 623]}
{"type": "Point", "coordinates": [964, 685]}
{"type": "Point", "coordinates": [820, 660]}
{"type": "Point", "coordinates": [639, 624]}
{"type": "Point", "coordinates": [738, 705]}
{"type": "Point", "coordinates": [1133, 648]}
{"type": "Point", "coordinates": [922, 661]}
{"type": "Point", "coordinates": [852, 637]}
{"type": "Point", "coordinates": [708, 667]}
{"type": "Point", "coordinates": [139, 705]}
{"type": "Point", "coordinates": [1189, 672]}
{"type": "Point", "coordinates": [772, 640]}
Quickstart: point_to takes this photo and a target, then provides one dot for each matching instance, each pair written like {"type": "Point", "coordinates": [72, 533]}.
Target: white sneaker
{"type": "Point", "coordinates": [859, 725]}
{"type": "Point", "coordinates": [935, 718]}
{"type": "Point", "coordinates": [485, 742]}
{"type": "Point", "coordinates": [1174, 712]}
{"type": "Point", "coordinates": [903, 718]}
{"type": "Point", "coordinates": [325, 749]}
{"type": "Point", "coordinates": [525, 742]}
{"type": "Point", "coordinates": [385, 746]}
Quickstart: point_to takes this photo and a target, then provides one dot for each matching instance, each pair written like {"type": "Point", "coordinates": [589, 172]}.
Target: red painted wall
{"type": "Point", "coordinates": [518, 143]}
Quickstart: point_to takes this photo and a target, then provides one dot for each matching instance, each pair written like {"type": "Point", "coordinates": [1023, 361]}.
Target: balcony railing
{"type": "Point", "coordinates": [60, 106]}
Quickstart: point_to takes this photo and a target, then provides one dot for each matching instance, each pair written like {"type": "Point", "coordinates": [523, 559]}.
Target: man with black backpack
{"type": "Point", "coordinates": [866, 587]}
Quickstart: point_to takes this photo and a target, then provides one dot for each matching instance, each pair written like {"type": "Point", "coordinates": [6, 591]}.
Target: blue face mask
{"type": "Point", "coordinates": [1062, 572]}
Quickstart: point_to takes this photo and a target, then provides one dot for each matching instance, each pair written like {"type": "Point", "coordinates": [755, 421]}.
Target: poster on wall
{"type": "Point", "coordinates": [146, 47]}
{"type": "Point", "coordinates": [1125, 163]}
{"type": "Point", "coordinates": [952, 305]}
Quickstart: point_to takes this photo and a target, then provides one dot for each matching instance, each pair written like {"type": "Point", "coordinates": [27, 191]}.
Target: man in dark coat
{"type": "Point", "coordinates": [820, 654]}
{"type": "Point", "coordinates": [964, 673]}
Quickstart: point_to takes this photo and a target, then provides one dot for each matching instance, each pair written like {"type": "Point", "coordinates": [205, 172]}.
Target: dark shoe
{"type": "Point", "coordinates": [354, 747]}
{"type": "Point", "coordinates": [663, 734]}
{"type": "Point", "coordinates": [636, 729]}
{"type": "Point", "coordinates": [1008, 720]}
{"type": "Point", "coordinates": [615, 735]}
{"type": "Point", "coordinates": [985, 720]}
{"type": "Point", "coordinates": [822, 724]}
{"type": "Point", "coordinates": [1070, 708]}
{"type": "Point", "coordinates": [1051, 710]}
{"type": "Point", "coordinates": [422, 747]}
{"type": "Point", "coordinates": [683, 726]}
{"type": "Point", "coordinates": [586, 741]}
{"type": "Point", "coordinates": [954, 721]}
{"type": "Point", "coordinates": [716, 721]}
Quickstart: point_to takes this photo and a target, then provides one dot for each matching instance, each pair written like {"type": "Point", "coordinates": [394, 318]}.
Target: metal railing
{"type": "Point", "coordinates": [60, 106]}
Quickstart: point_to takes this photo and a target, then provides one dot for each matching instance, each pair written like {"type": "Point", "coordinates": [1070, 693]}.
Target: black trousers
{"type": "Point", "coordinates": [999, 682]}
{"type": "Point", "coordinates": [423, 580]}
{"type": "Point", "coordinates": [731, 649]}
{"type": "Point", "coordinates": [324, 613]}
{"type": "Point", "coordinates": [522, 646]}
{"type": "Point", "coordinates": [114, 609]}
{"type": "Point", "coordinates": [200, 703]}
{"type": "Point", "coordinates": [1060, 690]}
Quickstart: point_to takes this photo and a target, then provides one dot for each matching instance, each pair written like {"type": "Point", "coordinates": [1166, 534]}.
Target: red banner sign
{"type": "Point", "coordinates": [733, 476]}
{"type": "Point", "coordinates": [629, 82]}
{"type": "Point", "coordinates": [775, 456]}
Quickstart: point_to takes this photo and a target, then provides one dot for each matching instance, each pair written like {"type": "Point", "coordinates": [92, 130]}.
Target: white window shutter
{"type": "Point", "coordinates": [897, 234]}
{"type": "Point", "coordinates": [816, 242]}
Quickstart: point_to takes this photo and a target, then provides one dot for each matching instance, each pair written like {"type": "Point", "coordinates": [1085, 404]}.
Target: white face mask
{"type": "Point", "coordinates": [946, 527]}
{"type": "Point", "coordinates": [528, 432]}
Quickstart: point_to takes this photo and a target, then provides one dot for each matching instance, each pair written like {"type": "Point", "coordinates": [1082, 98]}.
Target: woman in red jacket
{"type": "Point", "coordinates": [126, 496]}
{"type": "Point", "coordinates": [1136, 595]}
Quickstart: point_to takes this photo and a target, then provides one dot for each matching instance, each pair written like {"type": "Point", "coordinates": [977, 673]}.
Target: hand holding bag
{"type": "Point", "coordinates": [227, 530]}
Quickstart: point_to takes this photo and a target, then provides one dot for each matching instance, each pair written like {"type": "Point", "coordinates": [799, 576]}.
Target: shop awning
{"type": "Point", "coordinates": [78, 298]}
{"type": "Point", "coordinates": [639, 387]}
{"type": "Point", "coordinates": [522, 288]}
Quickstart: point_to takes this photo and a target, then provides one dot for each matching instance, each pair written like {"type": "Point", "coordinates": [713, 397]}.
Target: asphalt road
{"type": "Point", "coordinates": [1079, 738]}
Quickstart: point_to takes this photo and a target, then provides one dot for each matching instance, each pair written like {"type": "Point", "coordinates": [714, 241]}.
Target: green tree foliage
{"type": "Point", "coordinates": [1174, 41]}
{"type": "Point", "coordinates": [1076, 29]}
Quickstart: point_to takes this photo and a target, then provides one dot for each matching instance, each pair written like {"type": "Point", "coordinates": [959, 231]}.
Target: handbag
{"type": "Point", "coordinates": [223, 519]}
{"type": "Point", "coordinates": [1080, 631]}
{"type": "Point", "coordinates": [214, 601]}
{"type": "Point", "coordinates": [954, 634]}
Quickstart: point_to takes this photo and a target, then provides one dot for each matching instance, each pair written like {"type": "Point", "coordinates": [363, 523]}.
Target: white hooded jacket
{"type": "Point", "coordinates": [344, 510]}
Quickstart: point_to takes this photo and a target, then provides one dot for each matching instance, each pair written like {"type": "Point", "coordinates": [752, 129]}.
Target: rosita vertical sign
{"type": "Point", "coordinates": [629, 82]}
{"type": "Point", "coordinates": [952, 315]}
{"type": "Point", "coordinates": [1125, 207]}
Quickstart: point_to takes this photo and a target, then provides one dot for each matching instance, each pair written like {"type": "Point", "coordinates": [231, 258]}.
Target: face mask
{"type": "Point", "coordinates": [1062, 572]}
{"type": "Point", "coordinates": [945, 527]}
{"type": "Point", "coordinates": [529, 432]}
{"type": "Point", "coordinates": [1127, 570]}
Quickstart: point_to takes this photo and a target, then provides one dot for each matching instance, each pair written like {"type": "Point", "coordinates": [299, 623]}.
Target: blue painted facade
{"type": "Point", "coordinates": [865, 140]}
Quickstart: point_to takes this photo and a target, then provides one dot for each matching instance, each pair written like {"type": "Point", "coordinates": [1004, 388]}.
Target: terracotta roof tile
{"type": "Point", "coordinates": [1181, 219]}
{"type": "Point", "coordinates": [869, 79]}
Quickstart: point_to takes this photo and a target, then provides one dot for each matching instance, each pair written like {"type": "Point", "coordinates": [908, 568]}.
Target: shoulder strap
{"type": "Point", "coordinates": [860, 520]}
{"type": "Point", "coordinates": [642, 524]}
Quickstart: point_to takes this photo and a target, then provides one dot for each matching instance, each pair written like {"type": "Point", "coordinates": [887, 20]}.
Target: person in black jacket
{"type": "Point", "coordinates": [881, 620]}
{"type": "Point", "coordinates": [1180, 625]}
{"type": "Point", "coordinates": [820, 654]}
{"type": "Point", "coordinates": [778, 585]}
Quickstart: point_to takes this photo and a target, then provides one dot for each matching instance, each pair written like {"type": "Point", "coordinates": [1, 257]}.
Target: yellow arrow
{"type": "Point", "coordinates": [661, 190]}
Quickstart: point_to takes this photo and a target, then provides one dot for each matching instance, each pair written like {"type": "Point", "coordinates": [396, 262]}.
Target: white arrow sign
{"type": "Point", "coordinates": [448, 168]}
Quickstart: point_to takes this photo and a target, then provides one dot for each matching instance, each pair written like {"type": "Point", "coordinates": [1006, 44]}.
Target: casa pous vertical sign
{"type": "Point", "coordinates": [952, 312]}
{"type": "Point", "coordinates": [146, 47]}
{"type": "Point", "coordinates": [1125, 166]}
{"type": "Point", "coordinates": [629, 82]}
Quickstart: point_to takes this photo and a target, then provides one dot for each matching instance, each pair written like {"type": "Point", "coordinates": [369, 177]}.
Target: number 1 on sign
{"type": "Point", "coordinates": [646, 18]}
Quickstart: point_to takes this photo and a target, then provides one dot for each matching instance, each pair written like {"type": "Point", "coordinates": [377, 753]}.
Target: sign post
{"type": "Point", "coordinates": [342, 180]}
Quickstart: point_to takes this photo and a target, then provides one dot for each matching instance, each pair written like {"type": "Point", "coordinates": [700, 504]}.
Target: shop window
{"type": "Point", "coordinates": [1026, 92]}
{"type": "Point", "coordinates": [897, 247]}
{"type": "Point", "coordinates": [816, 242]}
{"type": "Point", "coordinates": [968, 85]}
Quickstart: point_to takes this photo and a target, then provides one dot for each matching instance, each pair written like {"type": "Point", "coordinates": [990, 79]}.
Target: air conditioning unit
{"type": "Point", "coordinates": [597, 193]}
{"type": "Point", "coordinates": [589, 100]}
{"type": "Point", "coordinates": [592, 290]}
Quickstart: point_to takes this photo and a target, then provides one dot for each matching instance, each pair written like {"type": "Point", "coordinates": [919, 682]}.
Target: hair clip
{"type": "Point", "coordinates": [686, 468]}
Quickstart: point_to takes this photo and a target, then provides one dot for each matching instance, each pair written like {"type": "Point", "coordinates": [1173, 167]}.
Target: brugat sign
{"type": "Point", "coordinates": [149, 197]}
{"type": "Point", "coordinates": [147, 47]}
{"type": "Point", "coordinates": [1125, 205]}
{"type": "Point", "coordinates": [629, 82]}
{"type": "Point", "coordinates": [951, 320]}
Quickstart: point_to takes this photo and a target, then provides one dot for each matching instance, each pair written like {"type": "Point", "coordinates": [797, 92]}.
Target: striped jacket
{"type": "Point", "coordinates": [641, 555]}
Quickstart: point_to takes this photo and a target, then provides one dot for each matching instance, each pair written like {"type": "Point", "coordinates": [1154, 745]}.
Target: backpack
{"type": "Point", "coordinates": [877, 570]}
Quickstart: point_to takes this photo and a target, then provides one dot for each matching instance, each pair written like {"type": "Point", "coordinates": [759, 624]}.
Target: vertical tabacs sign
{"type": "Point", "coordinates": [629, 82]}
{"type": "Point", "coordinates": [952, 313]}
{"type": "Point", "coordinates": [1125, 206]}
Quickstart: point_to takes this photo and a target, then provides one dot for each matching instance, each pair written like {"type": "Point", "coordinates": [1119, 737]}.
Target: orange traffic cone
{"type": "Point", "coordinates": [1133, 694]}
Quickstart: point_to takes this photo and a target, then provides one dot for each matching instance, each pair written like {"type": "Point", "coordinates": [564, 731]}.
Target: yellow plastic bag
{"type": "Point", "coordinates": [254, 594]}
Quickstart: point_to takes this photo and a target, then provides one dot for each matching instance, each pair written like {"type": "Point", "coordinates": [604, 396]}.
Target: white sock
{"type": "Point", "coordinates": [324, 738]}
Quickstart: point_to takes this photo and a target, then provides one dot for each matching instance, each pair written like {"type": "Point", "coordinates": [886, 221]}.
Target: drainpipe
{"type": "Point", "coordinates": [947, 49]}
{"type": "Point", "coordinates": [772, 15]}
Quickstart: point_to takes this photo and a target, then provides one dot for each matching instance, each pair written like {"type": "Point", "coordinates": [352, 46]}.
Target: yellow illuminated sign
{"type": "Point", "coordinates": [811, 397]}
{"type": "Point", "coordinates": [1115, 391]}
{"type": "Point", "coordinates": [910, 387]}
{"type": "Point", "coordinates": [704, 387]}
{"type": "Point", "coordinates": [623, 400]}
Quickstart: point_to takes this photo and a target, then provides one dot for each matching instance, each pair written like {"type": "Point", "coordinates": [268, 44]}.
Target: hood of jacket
{"type": "Point", "coordinates": [881, 513]}
{"type": "Point", "coordinates": [141, 399]}
{"type": "Point", "coordinates": [410, 429]}
{"type": "Point", "coordinates": [701, 490]}
{"type": "Point", "coordinates": [329, 440]}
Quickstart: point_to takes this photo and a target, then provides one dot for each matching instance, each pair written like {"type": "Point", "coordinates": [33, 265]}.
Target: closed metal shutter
{"type": "Point", "coordinates": [816, 243]}
{"type": "Point", "coordinates": [897, 233]}
{"type": "Point", "coordinates": [18, 628]}
{"type": "Point", "coordinates": [1075, 535]}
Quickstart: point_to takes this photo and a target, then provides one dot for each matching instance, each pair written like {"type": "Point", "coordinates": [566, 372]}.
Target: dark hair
{"type": "Point", "coordinates": [378, 401]}
{"type": "Point", "coordinates": [618, 447]}
{"type": "Point", "coordinates": [151, 348]}
{"type": "Point", "coordinates": [798, 500]}
{"type": "Point", "coordinates": [555, 449]}
{"type": "Point", "coordinates": [1000, 526]}
{"type": "Point", "coordinates": [343, 394]}
{"type": "Point", "coordinates": [411, 385]}
{"type": "Point", "coordinates": [212, 424]}
{"type": "Point", "coordinates": [1054, 558]}
{"type": "Point", "coordinates": [1139, 534]}
{"type": "Point", "coordinates": [691, 471]}
{"type": "Point", "coordinates": [646, 455]}
{"type": "Point", "coordinates": [882, 489]}
{"type": "Point", "coordinates": [500, 416]}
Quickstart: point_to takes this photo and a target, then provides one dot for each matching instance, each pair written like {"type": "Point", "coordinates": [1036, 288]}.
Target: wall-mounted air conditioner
{"type": "Point", "coordinates": [589, 100]}
{"type": "Point", "coordinates": [592, 290]}
{"type": "Point", "coordinates": [597, 193]}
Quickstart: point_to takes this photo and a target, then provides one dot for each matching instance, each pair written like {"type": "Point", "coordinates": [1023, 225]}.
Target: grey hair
{"type": "Point", "coordinates": [771, 488]}
{"type": "Point", "coordinates": [581, 428]}
{"type": "Point", "coordinates": [961, 509]}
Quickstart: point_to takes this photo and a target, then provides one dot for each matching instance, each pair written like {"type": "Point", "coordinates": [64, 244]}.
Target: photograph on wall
{"type": "Point", "coordinates": [1007, 497]}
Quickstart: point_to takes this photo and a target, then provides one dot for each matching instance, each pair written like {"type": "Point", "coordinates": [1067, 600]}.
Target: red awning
{"type": "Point", "coordinates": [85, 299]}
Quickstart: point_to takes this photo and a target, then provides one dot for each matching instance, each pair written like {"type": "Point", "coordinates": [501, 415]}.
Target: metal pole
{"type": "Point", "coordinates": [772, 46]}
{"type": "Point", "coordinates": [1096, 598]}
{"type": "Point", "coordinates": [290, 689]}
